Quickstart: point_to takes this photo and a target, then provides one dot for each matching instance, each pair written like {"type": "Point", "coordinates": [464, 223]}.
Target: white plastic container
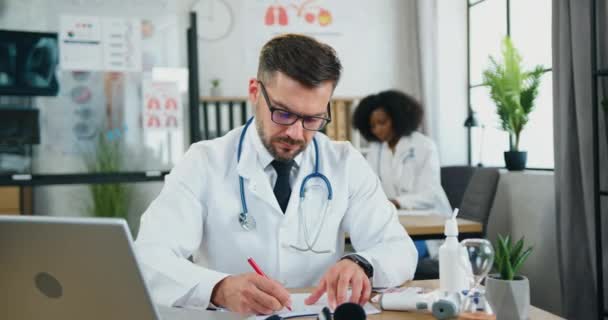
{"type": "Point", "coordinates": [453, 276]}
{"type": "Point", "coordinates": [408, 299]}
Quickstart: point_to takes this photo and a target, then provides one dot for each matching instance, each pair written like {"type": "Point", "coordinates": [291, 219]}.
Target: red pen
{"type": "Point", "coordinates": [260, 272]}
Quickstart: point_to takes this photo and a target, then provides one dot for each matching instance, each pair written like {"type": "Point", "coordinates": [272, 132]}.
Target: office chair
{"type": "Point", "coordinates": [479, 196]}
{"type": "Point", "coordinates": [476, 203]}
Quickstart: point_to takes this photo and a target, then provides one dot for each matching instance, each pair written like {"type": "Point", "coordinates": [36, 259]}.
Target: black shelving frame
{"type": "Point", "coordinates": [33, 180]}
{"type": "Point", "coordinates": [22, 180]}
{"type": "Point", "coordinates": [193, 81]}
{"type": "Point", "coordinates": [597, 73]}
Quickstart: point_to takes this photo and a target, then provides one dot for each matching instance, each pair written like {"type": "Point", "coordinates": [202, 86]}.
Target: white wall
{"type": "Point", "coordinates": [450, 133]}
{"type": "Point", "coordinates": [375, 43]}
{"type": "Point", "coordinates": [444, 82]}
{"type": "Point", "coordinates": [370, 38]}
{"type": "Point", "coordinates": [378, 49]}
{"type": "Point", "coordinates": [374, 40]}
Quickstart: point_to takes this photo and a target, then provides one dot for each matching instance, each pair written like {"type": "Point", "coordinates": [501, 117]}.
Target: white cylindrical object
{"type": "Point", "coordinates": [408, 300]}
{"type": "Point", "coordinates": [451, 228]}
{"type": "Point", "coordinates": [453, 277]}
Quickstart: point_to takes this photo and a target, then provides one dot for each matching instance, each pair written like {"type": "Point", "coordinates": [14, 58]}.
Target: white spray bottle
{"type": "Point", "coordinates": [453, 276]}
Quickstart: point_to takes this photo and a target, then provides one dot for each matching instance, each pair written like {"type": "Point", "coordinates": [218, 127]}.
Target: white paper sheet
{"type": "Point", "coordinates": [301, 309]}
{"type": "Point", "coordinates": [92, 43]}
{"type": "Point", "coordinates": [80, 43]}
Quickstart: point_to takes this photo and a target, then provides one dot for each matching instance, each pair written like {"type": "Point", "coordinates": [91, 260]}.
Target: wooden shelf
{"type": "Point", "coordinates": [236, 99]}
{"type": "Point", "coordinates": [11, 201]}
{"type": "Point", "coordinates": [224, 99]}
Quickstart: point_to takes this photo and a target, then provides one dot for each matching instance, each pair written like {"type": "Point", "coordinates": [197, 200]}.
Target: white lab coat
{"type": "Point", "coordinates": [412, 174]}
{"type": "Point", "coordinates": [197, 212]}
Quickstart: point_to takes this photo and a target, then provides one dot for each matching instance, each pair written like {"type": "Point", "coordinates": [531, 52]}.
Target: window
{"type": "Point", "coordinates": [529, 25]}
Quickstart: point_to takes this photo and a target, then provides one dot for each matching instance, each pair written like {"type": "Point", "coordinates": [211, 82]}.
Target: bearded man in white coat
{"type": "Point", "coordinates": [231, 198]}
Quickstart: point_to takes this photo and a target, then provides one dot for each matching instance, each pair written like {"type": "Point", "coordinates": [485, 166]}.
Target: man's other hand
{"type": "Point", "coordinates": [336, 281]}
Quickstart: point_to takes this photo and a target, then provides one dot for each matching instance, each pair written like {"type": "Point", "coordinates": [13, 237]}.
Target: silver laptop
{"type": "Point", "coordinates": [76, 268]}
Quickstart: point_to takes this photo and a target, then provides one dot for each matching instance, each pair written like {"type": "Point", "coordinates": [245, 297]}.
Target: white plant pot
{"type": "Point", "coordinates": [215, 91]}
{"type": "Point", "coordinates": [510, 300]}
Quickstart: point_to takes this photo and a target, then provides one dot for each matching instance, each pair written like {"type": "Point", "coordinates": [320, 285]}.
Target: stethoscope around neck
{"type": "Point", "coordinates": [248, 222]}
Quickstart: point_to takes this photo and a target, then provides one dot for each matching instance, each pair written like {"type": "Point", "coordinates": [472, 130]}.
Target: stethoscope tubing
{"type": "Point", "coordinates": [238, 159]}
{"type": "Point", "coordinates": [243, 216]}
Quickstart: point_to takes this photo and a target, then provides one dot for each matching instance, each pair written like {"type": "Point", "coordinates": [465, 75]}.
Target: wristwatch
{"type": "Point", "coordinates": [361, 262]}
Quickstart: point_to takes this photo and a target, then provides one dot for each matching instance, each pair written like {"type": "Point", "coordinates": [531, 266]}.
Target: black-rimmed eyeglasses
{"type": "Point", "coordinates": [287, 118]}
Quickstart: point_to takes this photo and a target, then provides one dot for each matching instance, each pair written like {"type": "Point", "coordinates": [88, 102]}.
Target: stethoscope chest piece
{"type": "Point", "coordinates": [246, 221]}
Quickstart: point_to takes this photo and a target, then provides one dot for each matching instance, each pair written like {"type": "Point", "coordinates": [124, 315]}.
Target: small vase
{"type": "Point", "coordinates": [516, 160]}
{"type": "Point", "coordinates": [510, 299]}
{"type": "Point", "coordinates": [215, 91]}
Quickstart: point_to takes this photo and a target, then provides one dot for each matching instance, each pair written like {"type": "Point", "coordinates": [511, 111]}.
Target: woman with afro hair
{"type": "Point", "coordinates": [406, 161]}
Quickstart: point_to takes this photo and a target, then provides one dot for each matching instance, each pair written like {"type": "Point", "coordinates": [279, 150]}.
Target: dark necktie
{"type": "Point", "coordinates": [282, 190]}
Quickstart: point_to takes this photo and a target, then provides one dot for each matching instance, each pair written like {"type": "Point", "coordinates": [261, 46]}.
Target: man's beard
{"type": "Point", "coordinates": [267, 142]}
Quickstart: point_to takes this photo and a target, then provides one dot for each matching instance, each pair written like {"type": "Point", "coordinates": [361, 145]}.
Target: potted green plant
{"type": "Point", "coordinates": [215, 88]}
{"type": "Point", "coordinates": [107, 199]}
{"type": "Point", "coordinates": [513, 90]}
{"type": "Point", "coordinates": [507, 291]}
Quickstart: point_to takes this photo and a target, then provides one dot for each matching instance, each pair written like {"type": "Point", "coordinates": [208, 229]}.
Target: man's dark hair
{"type": "Point", "coordinates": [301, 58]}
{"type": "Point", "coordinates": [405, 112]}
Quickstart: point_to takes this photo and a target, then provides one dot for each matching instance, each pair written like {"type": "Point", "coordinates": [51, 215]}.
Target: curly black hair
{"type": "Point", "coordinates": [405, 112]}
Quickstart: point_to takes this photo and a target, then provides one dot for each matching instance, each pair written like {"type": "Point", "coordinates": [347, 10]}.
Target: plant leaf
{"type": "Point", "coordinates": [498, 260]}
{"type": "Point", "coordinates": [512, 89]}
{"type": "Point", "coordinates": [505, 269]}
{"type": "Point", "coordinates": [521, 259]}
{"type": "Point", "coordinates": [508, 270]}
{"type": "Point", "coordinates": [529, 92]}
{"type": "Point", "coordinates": [519, 245]}
{"type": "Point", "coordinates": [107, 200]}
{"type": "Point", "coordinates": [507, 244]}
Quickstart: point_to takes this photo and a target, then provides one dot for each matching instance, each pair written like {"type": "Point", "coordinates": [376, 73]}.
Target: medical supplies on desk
{"type": "Point", "coordinates": [443, 305]}
{"type": "Point", "coordinates": [454, 267]}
